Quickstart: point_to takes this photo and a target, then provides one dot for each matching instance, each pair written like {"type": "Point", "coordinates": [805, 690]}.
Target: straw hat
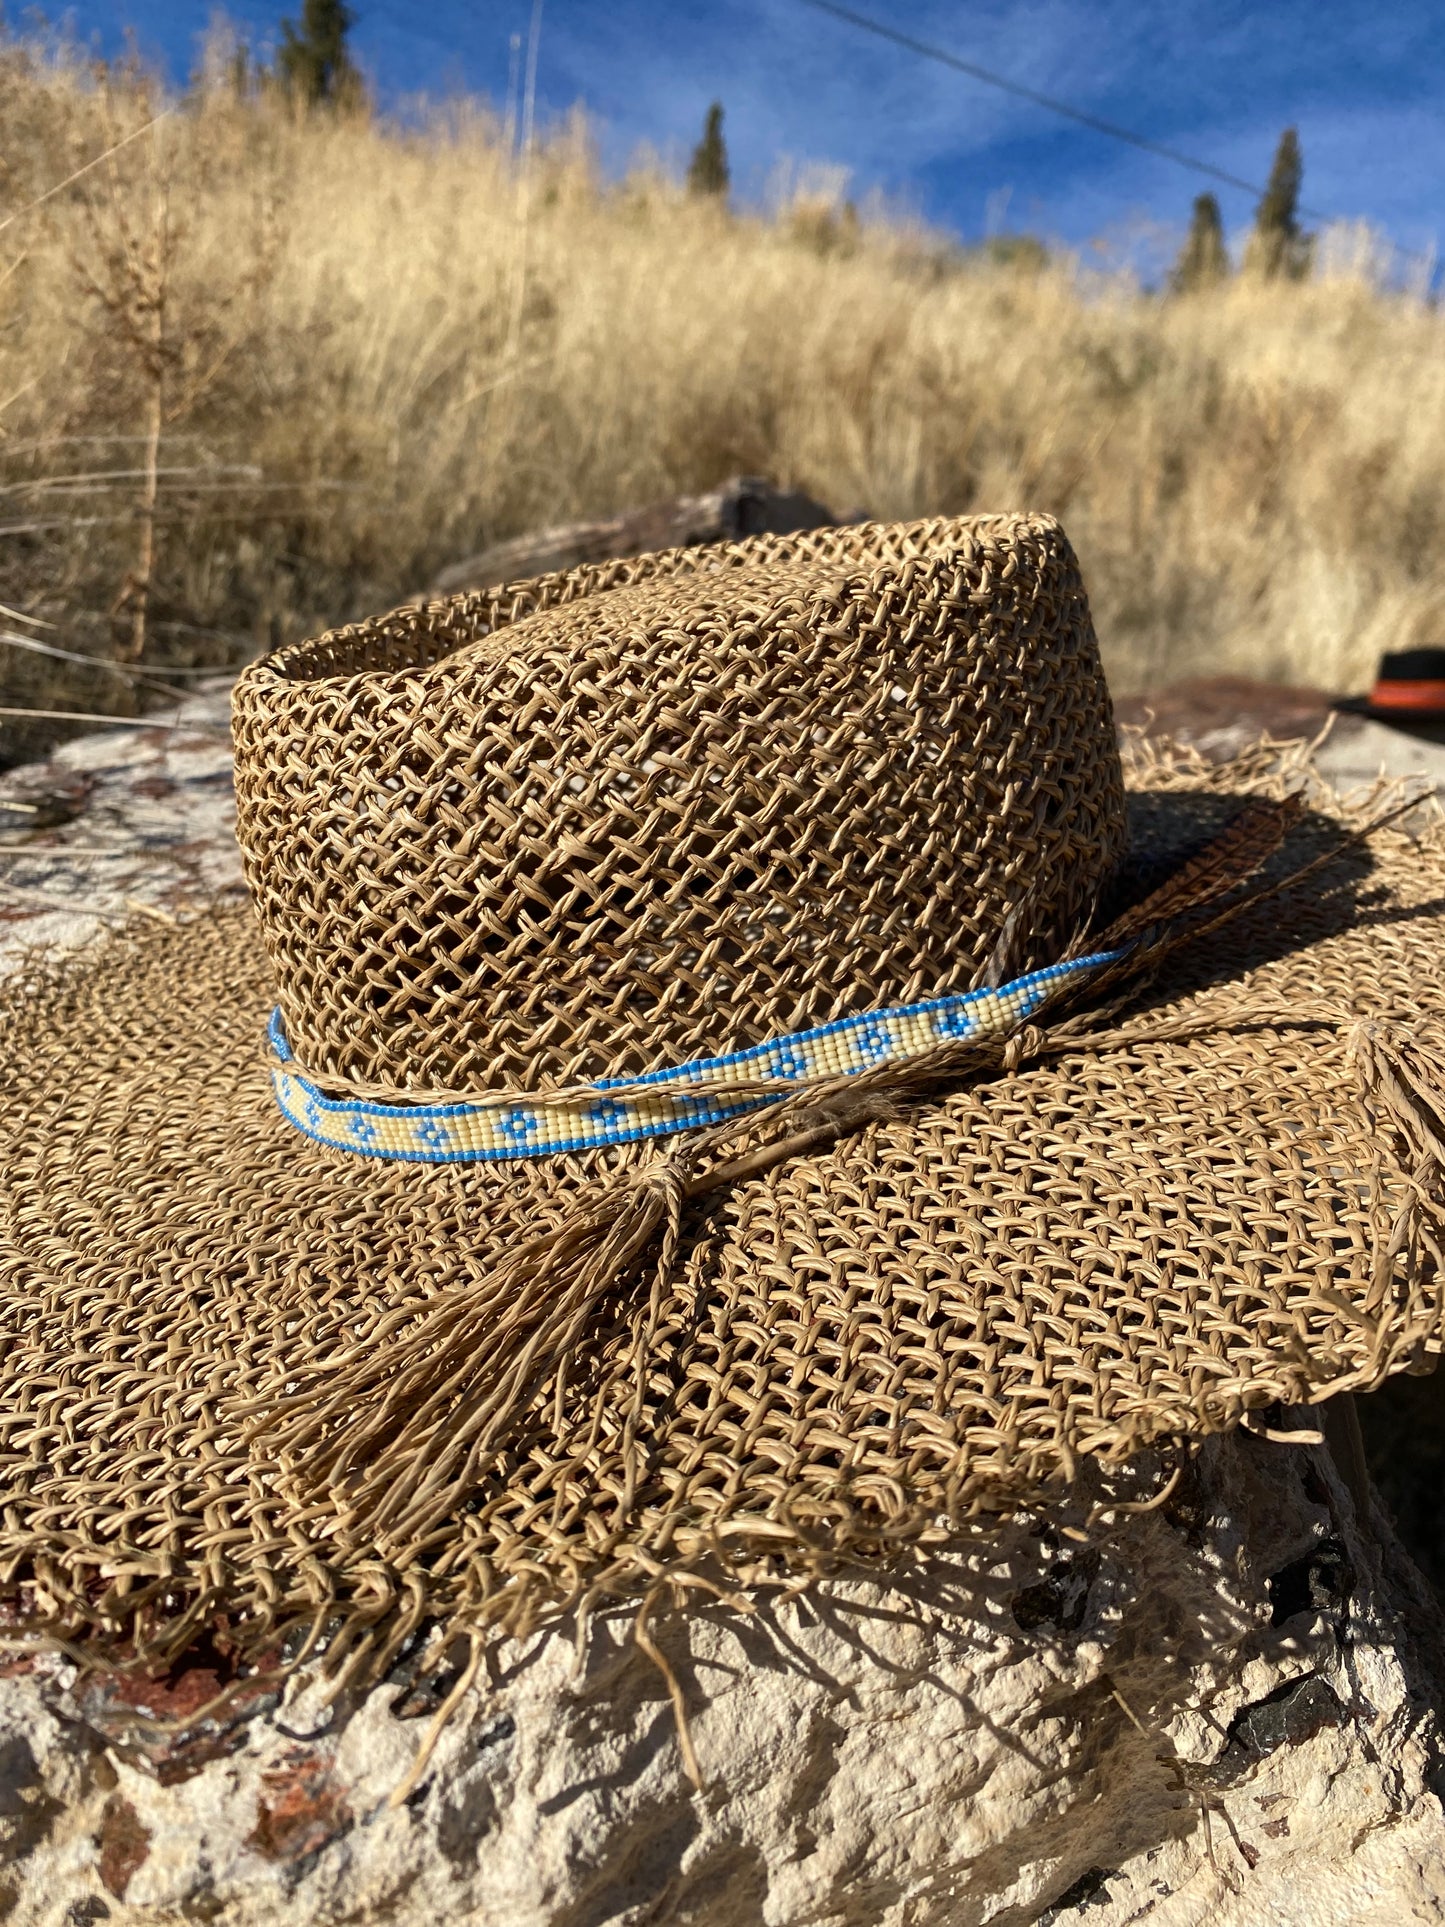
{"type": "Point", "coordinates": [708, 1082]}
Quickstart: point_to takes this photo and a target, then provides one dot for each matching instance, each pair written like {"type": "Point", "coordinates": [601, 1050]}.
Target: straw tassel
{"type": "Point", "coordinates": [408, 1424]}
{"type": "Point", "coordinates": [403, 1427]}
{"type": "Point", "coordinates": [484, 1352]}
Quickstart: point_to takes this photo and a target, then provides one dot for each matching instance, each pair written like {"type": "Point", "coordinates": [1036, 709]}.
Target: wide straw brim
{"type": "Point", "coordinates": [1210, 1210]}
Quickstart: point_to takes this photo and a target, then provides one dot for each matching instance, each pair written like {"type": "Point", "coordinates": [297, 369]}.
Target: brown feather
{"type": "Point", "coordinates": [1241, 849]}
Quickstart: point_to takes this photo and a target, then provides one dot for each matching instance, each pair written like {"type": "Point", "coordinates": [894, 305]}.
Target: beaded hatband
{"type": "Point", "coordinates": [621, 1110]}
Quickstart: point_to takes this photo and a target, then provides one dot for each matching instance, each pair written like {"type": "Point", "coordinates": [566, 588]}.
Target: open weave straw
{"type": "Point", "coordinates": [410, 1424]}
{"type": "Point", "coordinates": [849, 1328]}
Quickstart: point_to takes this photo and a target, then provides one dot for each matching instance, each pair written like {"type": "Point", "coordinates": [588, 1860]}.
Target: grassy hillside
{"type": "Point", "coordinates": [259, 374]}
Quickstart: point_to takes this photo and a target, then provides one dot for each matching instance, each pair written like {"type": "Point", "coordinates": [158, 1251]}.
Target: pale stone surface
{"type": "Point", "coordinates": [1217, 1712]}
{"type": "Point", "coordinates": [1358, 750]}
{"type": "Point", "coordinates": [118, 823]}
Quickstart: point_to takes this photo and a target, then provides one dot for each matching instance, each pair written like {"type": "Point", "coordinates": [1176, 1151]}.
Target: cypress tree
{"type": "Point", "coordinates": [313, 61]}
{"type": "Point", "coordinates": [1203, 259]}
{"type": "Point", "coordinates": [708, 170]}
{"type": "Point", "coordinates": [1277, 248]}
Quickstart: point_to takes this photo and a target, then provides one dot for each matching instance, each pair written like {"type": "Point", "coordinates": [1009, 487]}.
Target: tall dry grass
{"type": "Point", "coordinates": [258, 374]}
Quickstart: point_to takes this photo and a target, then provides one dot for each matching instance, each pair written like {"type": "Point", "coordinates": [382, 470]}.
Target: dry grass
{"type": "Point", "coordinates": [315, 331]}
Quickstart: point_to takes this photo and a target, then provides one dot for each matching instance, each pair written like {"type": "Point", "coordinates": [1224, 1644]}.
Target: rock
{"type": "Point", "coordinates": [1359, 749]}
{"type": "Point", "coordinates": [42, 796]}
{"type": "Point", "coordinates": [119, 822]}
{"type": "Point", "coordinates": [1221, 715]}
{"type": "Point", "coordinates": [1217, 1711]}
{"type": "Point", "coordinates": [744, 506]}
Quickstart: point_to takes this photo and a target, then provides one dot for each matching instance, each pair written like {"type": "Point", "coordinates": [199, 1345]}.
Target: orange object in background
{"type": "Point", "coordinates": [1417, 695]}
{"type": "Point", "coordinates": [1409, 683]}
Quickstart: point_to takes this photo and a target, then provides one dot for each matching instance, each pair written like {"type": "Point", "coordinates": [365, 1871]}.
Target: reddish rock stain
{"type": "Point", "coordinates": [301, 1807]}
{"type": "Point", "coordinates": [180, 1697]}
{"type": "Point", "coordinates": [124, 1843]}
{"type": "Point", "coordinates": [174, 1725]}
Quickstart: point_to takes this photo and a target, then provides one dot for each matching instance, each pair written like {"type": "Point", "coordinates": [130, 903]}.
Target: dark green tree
{"type": "Point", "coordinates": [1277, 248]}
{"type": "Point", "coordinates": [1204, 259]}
{"type": "Point", "coordinates": [1024, 253]}
{"type": "Point", "coordinates": [313, 62]}
{"type": "Point", "coordinates": [708, 170]}
{"type": "Point", "coordinates": [240, 72]}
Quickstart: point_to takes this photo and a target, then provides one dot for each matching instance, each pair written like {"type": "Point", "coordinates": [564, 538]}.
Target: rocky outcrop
{"type": "Point", "coordinates": [116, 824]}
{"type": "Point", "coordinates": [746, 505]}
{"type": "Point", "coordinates": [1216, 1711]}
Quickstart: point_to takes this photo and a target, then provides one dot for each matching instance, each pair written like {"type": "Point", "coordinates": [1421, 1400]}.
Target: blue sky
{"type": "Point", "coordinates": [1215, 77]}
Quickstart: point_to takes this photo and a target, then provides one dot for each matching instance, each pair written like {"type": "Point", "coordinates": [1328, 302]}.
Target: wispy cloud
{"type": "Point", "coordinates": [1219, 78]}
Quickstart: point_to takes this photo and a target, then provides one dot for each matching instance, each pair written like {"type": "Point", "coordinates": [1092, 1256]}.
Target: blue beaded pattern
{"type": "Point", "coordinates": [654, 1105]}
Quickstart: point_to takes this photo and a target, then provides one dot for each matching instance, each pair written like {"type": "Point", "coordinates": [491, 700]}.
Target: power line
{"type": "Point", "coordinates": [928, 51]}
{"type": "Point", "coordinates": [51, 192]}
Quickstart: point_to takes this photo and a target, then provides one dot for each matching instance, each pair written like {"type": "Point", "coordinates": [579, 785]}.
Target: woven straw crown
{"type": "Point", "coordinates": [643, 812]}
